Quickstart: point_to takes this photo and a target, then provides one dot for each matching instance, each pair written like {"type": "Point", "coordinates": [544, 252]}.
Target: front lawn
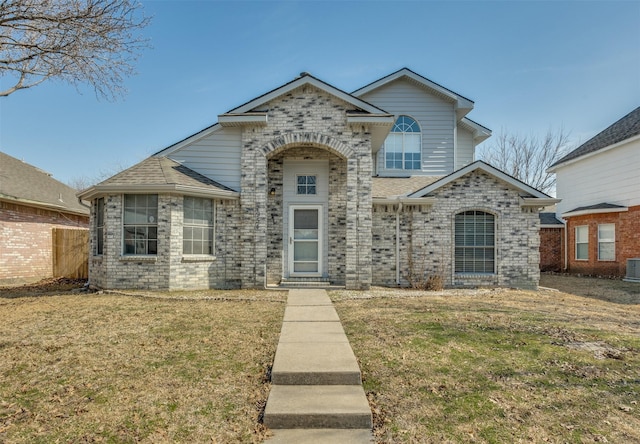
{"type": "Point", "coordinates": [124, 369]}
{"type": "Point", "coordinates": [496, 366]}
{"type": "Point", "coordinates": [487, 366]}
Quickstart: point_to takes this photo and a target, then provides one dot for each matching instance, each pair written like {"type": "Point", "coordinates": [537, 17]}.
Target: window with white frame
{"type": "Point", "coordinates": [606, 242]}
{"type": "Point", "coordinates": [475, 239]}
{"type": "Point", "coordinates": [140, 225]}
{"type": "Point", "coordinates": [403, 146]}
{"type": "Point", "coordinates": [306, 184]}
{"type": "Point", "coordinates": [197, 231]}
{"type": "Point", "coordinates": [582, 243]}
{"type": "Point", "coordinates": [99, 226]}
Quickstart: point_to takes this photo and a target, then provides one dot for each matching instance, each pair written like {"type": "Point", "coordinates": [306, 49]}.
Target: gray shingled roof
{"type": "Point", "coordinates": [162, 171]}
{"type": "Point", "coordinates": [623, 129]}
{"type": "Point", "coordinates": [600, 206]}
{"type": "Point", "coordinates": [549, 219]}
{"type": "Point", "coordinates": [27, 184]}
{"type": "Point", "coordinates": [400, 186]}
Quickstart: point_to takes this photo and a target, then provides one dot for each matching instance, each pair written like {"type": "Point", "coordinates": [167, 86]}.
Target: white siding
{"type": "Point", "coordinates": [435, 115]}
{"type": "Point", "coordinates": [465, 148]}
{"type": "Point", "coordinates": [612, 176]}
{"type": "Point", "coordinates": [216, 156]}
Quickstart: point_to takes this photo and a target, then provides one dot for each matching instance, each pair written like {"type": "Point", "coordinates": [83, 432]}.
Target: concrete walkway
{"type": "Point", "coordinates": [317, 394]}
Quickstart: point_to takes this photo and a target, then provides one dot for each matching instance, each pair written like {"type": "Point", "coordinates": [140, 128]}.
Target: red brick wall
{"type": "Point", "coordinates": [26, 243]}
{"type": "Point", "coordinates": [551, 249]}
{"type": "Point", "coordinates": [627, 242]}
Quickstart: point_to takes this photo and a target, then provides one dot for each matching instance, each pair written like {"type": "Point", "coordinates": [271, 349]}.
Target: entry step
{"type": "Point", "coordinates": [317, 407]}
{"type": "Point", "coordinates": [321, 436]}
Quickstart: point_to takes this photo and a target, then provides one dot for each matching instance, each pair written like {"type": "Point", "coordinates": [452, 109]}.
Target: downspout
{"type": "Point", "coordinates": [398, 209]}
{"type": "Point", "coordinates": [566, 245]}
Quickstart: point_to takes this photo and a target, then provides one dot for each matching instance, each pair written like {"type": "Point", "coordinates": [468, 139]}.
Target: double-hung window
{"type": "Point", "coordinates": [99, 224]}
{"type": "Point", "coordinates": [582, 243]}
{"type": "Point", "coordinates": [475, 242]}
{"type": "Point", "coordinates": [403, 146]}
{"type": "Point", "coordinates": [140, 224]}
{"type": "Point", "coordinates": [197, 226]}
{"type": "Point", "coordinates": [606, 242]}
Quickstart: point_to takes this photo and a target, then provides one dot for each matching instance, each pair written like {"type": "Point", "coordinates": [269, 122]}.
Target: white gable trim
{"type": "Point", "coordinates": [479, 165]}
{"type": "Point", "coordinates": [480, 133]}
{"type": "Point", "coordinates": [307, 80]}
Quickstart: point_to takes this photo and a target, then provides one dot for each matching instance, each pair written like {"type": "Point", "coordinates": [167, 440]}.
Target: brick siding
{"type": "Point", "coordinates": [551, 249]}
{"type": "Point", "coordinates": [26, 242]}
{"type": "Point", "coordinates": [427, 236]}
{"type": "Point", "coordinates": [627, 243]}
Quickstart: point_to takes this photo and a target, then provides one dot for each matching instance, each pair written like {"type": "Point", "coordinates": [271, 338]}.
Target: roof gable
{"type": "Point", "coordinates": [26, 184]}
{"type": "Point", "coordinates": [622, 130]}
{"type": "Point", "coordinates": [480, 165]}
{"type": "Point", "coordinates": [463, 104]}
{"type": "Point", "coordinates": [306, 79]}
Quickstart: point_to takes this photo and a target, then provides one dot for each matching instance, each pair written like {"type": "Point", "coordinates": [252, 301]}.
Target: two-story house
{"type": "Point", "coordinates": [599, 183]}
{"type": "Point", "coordinates": [309, 183]}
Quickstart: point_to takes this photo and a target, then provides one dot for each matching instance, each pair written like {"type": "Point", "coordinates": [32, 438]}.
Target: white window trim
{"type": "Point", "coordinates": [613, 241]}
{"type": "Point", "coordinates": [577, 243]}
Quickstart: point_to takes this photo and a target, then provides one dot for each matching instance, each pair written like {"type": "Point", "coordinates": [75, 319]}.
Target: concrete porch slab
{"type": "Point", "coordinates": [317, 406]}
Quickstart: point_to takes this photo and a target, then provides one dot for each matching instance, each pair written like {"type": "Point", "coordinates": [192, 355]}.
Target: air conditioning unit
{"type": "Point", "coordinates": [633, 270]}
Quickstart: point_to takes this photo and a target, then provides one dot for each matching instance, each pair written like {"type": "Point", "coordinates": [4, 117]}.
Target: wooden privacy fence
{"type": "Point", "coordinates": [70, 253]}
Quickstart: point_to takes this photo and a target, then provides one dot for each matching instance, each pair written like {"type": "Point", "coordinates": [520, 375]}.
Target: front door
{"type": "Point", "coordinates": [305, 240]}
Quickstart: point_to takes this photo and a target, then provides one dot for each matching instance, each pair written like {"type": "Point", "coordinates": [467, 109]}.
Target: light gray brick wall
{"type": "Point", "coordinates": [169, 269]}
{"type": "Point", "coordinates": [427, 234]}
{"type": "Point", "coordinates": [307, 118]}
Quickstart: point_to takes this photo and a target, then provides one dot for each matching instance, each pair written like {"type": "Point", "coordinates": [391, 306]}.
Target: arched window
{"type": "Point", "coordinates": [475, 239]}
{"type": "Point", "coordinates": [403, 146]}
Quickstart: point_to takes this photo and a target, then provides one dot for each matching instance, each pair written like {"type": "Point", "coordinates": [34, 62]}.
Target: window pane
{"type": "Point", "coordinates": [305, 251]}
{"type": "Point", "coordinates": [582, 251]}
{"type": "Point", "coordinates": [305, 267]}
{"type": "Point", "coordinates": [606, 251]}
{"type": "Point", "coordinates": [305, 219]}
{"type": "Point", "coordinates": [606, 232]}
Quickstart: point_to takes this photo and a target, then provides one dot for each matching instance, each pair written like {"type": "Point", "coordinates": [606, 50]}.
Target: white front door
{"type": "Point", "coordinates": [305, 240]}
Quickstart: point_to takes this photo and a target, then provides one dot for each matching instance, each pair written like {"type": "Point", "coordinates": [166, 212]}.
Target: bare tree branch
{"type": "Point", "coordinates": [527, 157]}
{"type": "Point", "coordinates": [77, 41]}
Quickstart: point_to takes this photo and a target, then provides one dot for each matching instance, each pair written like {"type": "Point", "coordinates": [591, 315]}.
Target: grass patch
{"type": "Point", "coordinates": [496, 366]}
{"type": "Point", "coordinates": [141, 368]}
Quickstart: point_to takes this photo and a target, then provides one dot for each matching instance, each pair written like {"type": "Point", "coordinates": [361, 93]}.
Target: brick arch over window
{"type": "Point", "coordinates": [317, 140]}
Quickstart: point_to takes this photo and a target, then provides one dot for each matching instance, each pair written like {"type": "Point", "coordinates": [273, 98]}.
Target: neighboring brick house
{"type": "Point", "coordinates": [551, 242]}
{"type": "Point", "coordinates": [310, 183]}
{"type": "Point", "coordinates": [599, 184]}
{"type": "Point", "coordinates": [32, 204]}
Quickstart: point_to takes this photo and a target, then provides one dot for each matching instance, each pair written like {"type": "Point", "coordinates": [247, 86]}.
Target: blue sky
{"type": "Point", "coordinates": [528, 66]}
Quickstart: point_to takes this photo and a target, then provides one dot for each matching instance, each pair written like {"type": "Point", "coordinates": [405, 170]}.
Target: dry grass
{"type": "Point", "coordinates": [495, 366]}
{"type": "Point", "coordinates": [448, 366]}
{"type": "Point", "coordinates": [115, 368]}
